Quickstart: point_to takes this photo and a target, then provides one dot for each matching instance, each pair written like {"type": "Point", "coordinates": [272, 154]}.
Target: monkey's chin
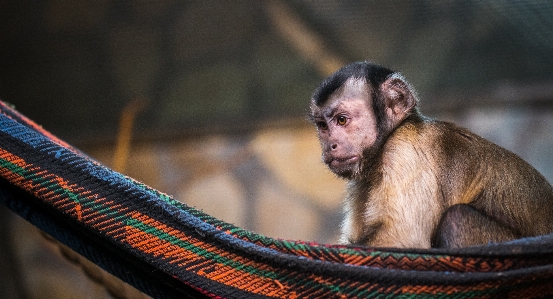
{"type": "Point", "coordinates": [346, 169]}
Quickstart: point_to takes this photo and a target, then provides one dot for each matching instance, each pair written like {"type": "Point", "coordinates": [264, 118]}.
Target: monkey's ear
{"type": "Point", "coordinates": [399, 98]}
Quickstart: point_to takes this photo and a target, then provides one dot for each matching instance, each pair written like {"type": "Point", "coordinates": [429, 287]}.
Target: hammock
{"type": "Point", "coordinates": [169, 250]}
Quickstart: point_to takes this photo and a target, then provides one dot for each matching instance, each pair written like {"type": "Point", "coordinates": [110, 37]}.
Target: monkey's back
{"type": "Point", "coordinates": [476, 171]}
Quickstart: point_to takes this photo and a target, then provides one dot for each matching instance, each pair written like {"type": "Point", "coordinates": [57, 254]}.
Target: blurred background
{"type": "Point", "coordinates": [207, 100]}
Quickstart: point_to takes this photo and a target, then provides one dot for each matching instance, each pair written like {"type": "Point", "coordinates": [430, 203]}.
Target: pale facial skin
{"type": "Point", "coordinates": [346, 125]}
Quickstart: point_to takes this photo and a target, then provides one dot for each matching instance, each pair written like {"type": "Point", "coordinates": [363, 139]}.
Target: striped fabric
{"type": "Point", "coordinates": [169, 250]}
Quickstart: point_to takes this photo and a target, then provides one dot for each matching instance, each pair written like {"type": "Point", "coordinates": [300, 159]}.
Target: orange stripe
{"type": "Point", "coordinates": [224, 274]}
{"type": "Point", "coordinates": [448, 290]}
{"type": "Point", "coordinates": [12, 158]}
{"type": "Point", "coordinates": [36, 188]}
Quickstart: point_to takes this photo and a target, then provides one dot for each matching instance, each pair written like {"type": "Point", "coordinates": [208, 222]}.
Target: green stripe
{"type": "Point", "coordinates": [12, 167]}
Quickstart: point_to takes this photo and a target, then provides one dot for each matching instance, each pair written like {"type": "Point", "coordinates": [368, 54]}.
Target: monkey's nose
{"type": "Point", "coordinates": [334, 146]}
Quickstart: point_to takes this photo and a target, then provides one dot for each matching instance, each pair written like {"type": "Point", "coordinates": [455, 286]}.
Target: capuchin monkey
{"type": "Point", "coordinates": [417, 182]}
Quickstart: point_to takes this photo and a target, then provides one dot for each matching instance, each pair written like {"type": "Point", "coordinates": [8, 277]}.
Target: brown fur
{"type": "Point", "coordinates": [415, 182]}
{"type": "Point", "coordinates": [427, 167]}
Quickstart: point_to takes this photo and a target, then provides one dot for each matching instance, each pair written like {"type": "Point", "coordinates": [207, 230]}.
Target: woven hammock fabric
{"type": "Point", "coordinates": [169, 250]}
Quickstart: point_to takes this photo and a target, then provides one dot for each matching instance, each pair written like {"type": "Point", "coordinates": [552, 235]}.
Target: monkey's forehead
{"type": "Point", "coordinates": [352, 88]}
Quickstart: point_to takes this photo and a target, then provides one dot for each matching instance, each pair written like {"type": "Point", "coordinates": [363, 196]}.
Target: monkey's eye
{"type": "Point", "coordinates": [341, 120]}
{"type": "Point", "coordinates": [322, 125]}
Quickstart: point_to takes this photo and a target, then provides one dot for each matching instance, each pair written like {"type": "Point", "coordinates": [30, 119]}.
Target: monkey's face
{"type": "Point", "coordinates": [346, 126]}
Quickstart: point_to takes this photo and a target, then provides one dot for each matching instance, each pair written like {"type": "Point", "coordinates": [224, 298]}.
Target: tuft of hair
{"type": "Point", "coordinates": [364, 70]}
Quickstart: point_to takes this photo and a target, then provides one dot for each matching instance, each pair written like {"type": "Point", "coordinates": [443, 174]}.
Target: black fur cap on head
{"type": "Point", "coordinates": [373, 74]}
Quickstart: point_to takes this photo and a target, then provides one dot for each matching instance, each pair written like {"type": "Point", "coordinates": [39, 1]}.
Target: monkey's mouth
{"type": "Point", "coordinates": [344, 167]}
{"type": "Point", "coordinates": [337, 163]}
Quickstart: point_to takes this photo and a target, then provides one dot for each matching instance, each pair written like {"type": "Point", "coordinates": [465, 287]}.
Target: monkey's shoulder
{"type": "Point", "coordinates": [431, 132]}
{"type": "Point", "coordinates": [447, 143]}
{"type": "Point", "coordinates": [455, 147]}
{"type": "Point", "coordinates": [437, 133]}
{"type": "Point", "coordinates": [453, 138]}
